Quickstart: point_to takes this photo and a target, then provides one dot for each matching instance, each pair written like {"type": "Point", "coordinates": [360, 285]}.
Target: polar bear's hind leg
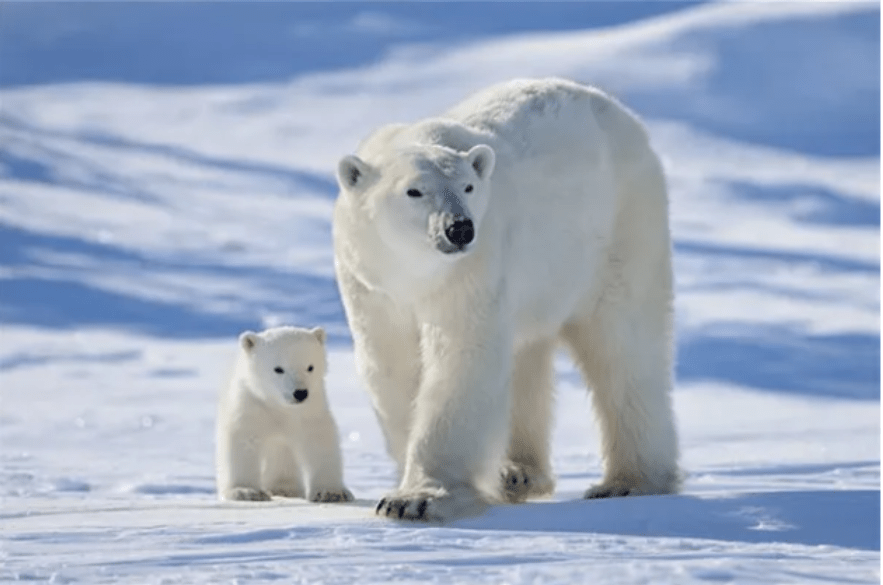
{"type": "Point", "coordinates": [624, 351]}
{"type": "Point", "coordinates": [527, 471]}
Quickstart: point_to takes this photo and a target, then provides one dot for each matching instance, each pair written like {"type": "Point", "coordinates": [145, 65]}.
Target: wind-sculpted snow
{"type": "Point", "coordinates": [152, 209]}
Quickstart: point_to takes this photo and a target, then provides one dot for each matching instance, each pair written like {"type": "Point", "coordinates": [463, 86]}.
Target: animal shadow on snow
{"type": "Point", "coordinates": [847, 518]}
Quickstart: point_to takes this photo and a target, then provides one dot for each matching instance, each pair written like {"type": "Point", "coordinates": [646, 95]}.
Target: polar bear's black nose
{"type": "Point", "coordinates": [300, 395]}
{"type": "Point", "coordinates": [461, 232]}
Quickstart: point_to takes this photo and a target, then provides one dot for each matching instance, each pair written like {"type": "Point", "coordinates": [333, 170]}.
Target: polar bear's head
{"type": "Point", "coordinates": [424, 201]}
{"type": "Point", "coordinates": [286, 365]}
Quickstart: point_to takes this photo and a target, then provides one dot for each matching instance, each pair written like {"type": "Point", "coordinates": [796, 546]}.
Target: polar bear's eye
{"type": "Point", "coordinates": [414, 193]}
{"type": "Point", "coordinates": [310, 368]}
{"type": "Point", "coordinates": [468, 189]}
{"type": "Point", "coordinates": [278, 370]}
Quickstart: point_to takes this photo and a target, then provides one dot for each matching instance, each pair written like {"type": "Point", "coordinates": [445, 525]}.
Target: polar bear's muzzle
{"type": "Point", "coordinates": [451, 228]}
{"type": "Point", "coordinates": [298, 395]}
{"type": "Point", "coordinates": [451, 233]}
{"type": "Point", "coordinates": [460, 232]}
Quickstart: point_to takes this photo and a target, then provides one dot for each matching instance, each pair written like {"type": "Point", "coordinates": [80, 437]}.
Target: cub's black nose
{"type": "Point", "coordinates": [461, 232]}
{"type": "Point", "coordinates": [300, 395]}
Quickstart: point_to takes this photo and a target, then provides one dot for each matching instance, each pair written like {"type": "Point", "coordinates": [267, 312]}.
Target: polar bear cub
{"type": "Point", "coordinates": [275, 431]}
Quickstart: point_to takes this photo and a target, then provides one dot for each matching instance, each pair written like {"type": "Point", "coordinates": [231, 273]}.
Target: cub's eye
{"type": "Point", "coordinates": [310, 368]}
{"type": "Point", "coordinates": [278, 370]}
{"type": "Point", "coordinates": [414, 193]}
{"type": "Point", "coordinates": [468, 189]}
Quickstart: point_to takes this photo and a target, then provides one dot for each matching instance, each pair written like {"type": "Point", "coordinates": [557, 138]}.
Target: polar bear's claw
{"type": "Point", "coordinates": [433, 504]}
{"type": "Point", "coordinates": [405, 508]}
{"type": "Point", "coordinates": [288, 492]}
{"type": "Point", "coordinates": [332, 496]}
{"type": "Point", "coordinates": [246, 494]}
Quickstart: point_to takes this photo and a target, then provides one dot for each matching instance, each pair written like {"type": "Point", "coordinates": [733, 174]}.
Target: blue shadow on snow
{"type": "Point", "coordinates": [845, 518]}
{"type": "Point", "coordinates": [69, 305]}
{"type": "Point", "coordinates": [773, 359]}
{"type": "Point", "coordinates": [96, 179]}
{"type": "Point", "coordinates": [813, 205]}
{"type": "Point", "coordinates": [64, 302]}
{"type": "Point", "coordinates": [843, 366]}
{"type": "Point", "coordinates": [192, 43]}
{"type": "Point", "coordinates": [806, 84]}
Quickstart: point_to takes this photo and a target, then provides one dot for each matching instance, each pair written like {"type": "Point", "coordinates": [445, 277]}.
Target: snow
{"type": "Point", "coordinates": [156, 200]}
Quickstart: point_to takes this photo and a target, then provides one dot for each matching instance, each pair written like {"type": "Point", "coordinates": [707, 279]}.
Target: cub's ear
{"type": "Point", "coordinates": [320, 334]}
{"type": "Point", "coordinates": [248, 340]}
{"type": "Point", "coordinates": [352, 172]}
{"type": "Point", "coordinates": [482, 159]}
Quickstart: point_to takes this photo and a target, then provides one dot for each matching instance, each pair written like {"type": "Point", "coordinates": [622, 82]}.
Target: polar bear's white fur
{"type": "Point", "coordinates": [466, 248]}
{"type": "Point", "coordinates": [275, 431]}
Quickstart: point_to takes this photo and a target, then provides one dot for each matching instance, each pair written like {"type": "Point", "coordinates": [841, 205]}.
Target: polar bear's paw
{"type": "Point", "coordinates": [612, 489]}
{"type": "Point", "coordinates": [247, 494]}
{"type": "Point", "coordinates": [331, 495]}
{"type": "Point", "coordinates": [521, 482]}
{"type": "Point", "coordinates": [288, 491]}
{"type": "Point", "coordinates": [415, 507]}
{"type": "Point", "coordinates": [437, 505]}
{"type": "Point", "coordinates": [668, 482]}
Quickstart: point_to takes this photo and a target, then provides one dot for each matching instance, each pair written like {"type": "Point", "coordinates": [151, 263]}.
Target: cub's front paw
{"type": "Point", "coordinates": [521, 482]}
{"type": "Point", "coordinates": [246, 494]}
{"type": "Point", "coordinates": [331, 495]}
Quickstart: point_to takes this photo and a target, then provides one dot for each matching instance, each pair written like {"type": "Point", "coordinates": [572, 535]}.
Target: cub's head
{"type": "Point", "coordinates": [425, 203]}
{"type": "Point", "coordinates": [286, 365]}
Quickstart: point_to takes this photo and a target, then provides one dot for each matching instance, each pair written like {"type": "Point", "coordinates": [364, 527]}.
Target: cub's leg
{"type": "Point", "coordinates": [282, 473]}
{"type": "Point", "coordinates": [322, 461]}
{"type": "Point", "coordinates": [239, 467]}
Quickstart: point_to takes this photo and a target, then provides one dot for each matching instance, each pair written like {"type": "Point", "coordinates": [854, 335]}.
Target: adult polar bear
{"type": "Point", "coordinates": [466, 248]}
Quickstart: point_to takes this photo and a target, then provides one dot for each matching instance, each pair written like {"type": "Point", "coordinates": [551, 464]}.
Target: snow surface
{"type": "Point", "coordinates": [156, 198]}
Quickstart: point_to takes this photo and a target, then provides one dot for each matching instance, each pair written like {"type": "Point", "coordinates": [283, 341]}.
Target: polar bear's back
{"type": "Point", "coordinates": [527, 119]}
{"type": "Point", "coordinates": [548, 116]}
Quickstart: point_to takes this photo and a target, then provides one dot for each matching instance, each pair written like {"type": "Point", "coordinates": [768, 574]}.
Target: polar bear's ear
{"type": "Point", "coordinates": [351, 171]}
{"type": "Point", "coordinates": [482, 159]}
{"type": "Point", "coordinates": [248, 340]}
{"type": "Point", "coordinates": [320, 334]}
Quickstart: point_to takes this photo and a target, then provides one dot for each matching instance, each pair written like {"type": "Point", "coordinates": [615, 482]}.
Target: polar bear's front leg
{"type": "Point", "coordinates": [387, 351]}
{"type": "Point", "coordinates": [461, 419]}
